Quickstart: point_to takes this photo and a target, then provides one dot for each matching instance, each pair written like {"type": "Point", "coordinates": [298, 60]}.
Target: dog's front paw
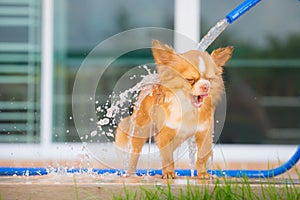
{"type": "Point", "coordinates": [168, 175]}
{"type": "Point", "coordinates": [203, 175]}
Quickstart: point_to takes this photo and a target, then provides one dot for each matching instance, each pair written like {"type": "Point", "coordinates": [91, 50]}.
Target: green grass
{"type": "Point", "coordinates": [221, 189]}
{"type": "Point", "coordinates": [76, 187]}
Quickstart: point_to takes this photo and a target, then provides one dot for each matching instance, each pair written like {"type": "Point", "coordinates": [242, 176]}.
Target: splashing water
{"type": "Point", "coordinates": [121, 105]}
{"type": "Point", "coordinates": [212, 34]}
{"type": "Point", "coordinates": [119, 102]}
{"type": "Point", "coordinates": [192, 153]}
{"type": "Point", "coordinates": [122, 98]}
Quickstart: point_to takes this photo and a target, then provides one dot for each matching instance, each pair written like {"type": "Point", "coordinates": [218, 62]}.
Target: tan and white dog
{"type": "Point", "coordinates": [181, 106]}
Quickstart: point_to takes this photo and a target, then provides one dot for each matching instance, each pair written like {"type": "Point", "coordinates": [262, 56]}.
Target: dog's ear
{"type": "Point", "coordinates": [222, 55]}
{"type": "Point", "coordinates": [162, 53]}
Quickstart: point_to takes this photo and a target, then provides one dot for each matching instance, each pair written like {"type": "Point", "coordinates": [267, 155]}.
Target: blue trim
{"type": "Point", "coordinates": [10, 171]}
{"type": "Point", "coordinates": [240, 10]}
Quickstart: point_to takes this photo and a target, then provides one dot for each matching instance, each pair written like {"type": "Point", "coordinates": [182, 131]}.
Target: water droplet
{"type": "Point", "coordinates": [133, 77]}
{"type": "Point", "coordinates": [103, 121]}
{"type": "Point", "coordinates": [93, 133]}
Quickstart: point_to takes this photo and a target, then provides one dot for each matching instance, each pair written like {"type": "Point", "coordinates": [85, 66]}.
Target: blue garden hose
{"type": "Point", "coordinates": [260, 173]}
{"type": "Point", "coordinates": [240, 10]}
{"type": "Point", "coordinates": [12, 171]}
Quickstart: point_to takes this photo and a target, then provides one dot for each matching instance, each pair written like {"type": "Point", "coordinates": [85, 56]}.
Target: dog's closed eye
{"type": "Point", "coordinates": [209, 78]}
{"type": "Point", "coordinates": [191, 81]}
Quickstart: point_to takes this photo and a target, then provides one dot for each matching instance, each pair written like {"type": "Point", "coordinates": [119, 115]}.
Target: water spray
{"type": "Point", "coordinates": [221, 25]}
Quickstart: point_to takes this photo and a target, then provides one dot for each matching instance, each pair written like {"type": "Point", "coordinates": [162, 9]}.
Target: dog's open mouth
{"type": "Point", "coordinates": [197, 100]}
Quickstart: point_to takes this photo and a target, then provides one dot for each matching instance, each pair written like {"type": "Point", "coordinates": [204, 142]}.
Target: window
{"type": "Point", "coordinates": [20, 61]}
{"type": "Point", "coordinates": [76, 33]}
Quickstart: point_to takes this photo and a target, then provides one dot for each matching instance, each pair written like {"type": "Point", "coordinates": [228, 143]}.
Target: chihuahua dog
{"type": "Point", "coordinates": [181, 106]}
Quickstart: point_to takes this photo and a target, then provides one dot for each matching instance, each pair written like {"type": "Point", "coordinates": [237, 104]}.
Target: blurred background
{"type": "Point", "coordinates": [42, 40]}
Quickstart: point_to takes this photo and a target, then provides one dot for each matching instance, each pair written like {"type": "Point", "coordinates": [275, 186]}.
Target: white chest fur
{"type": "Point", "coordinates": [184, 116]}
